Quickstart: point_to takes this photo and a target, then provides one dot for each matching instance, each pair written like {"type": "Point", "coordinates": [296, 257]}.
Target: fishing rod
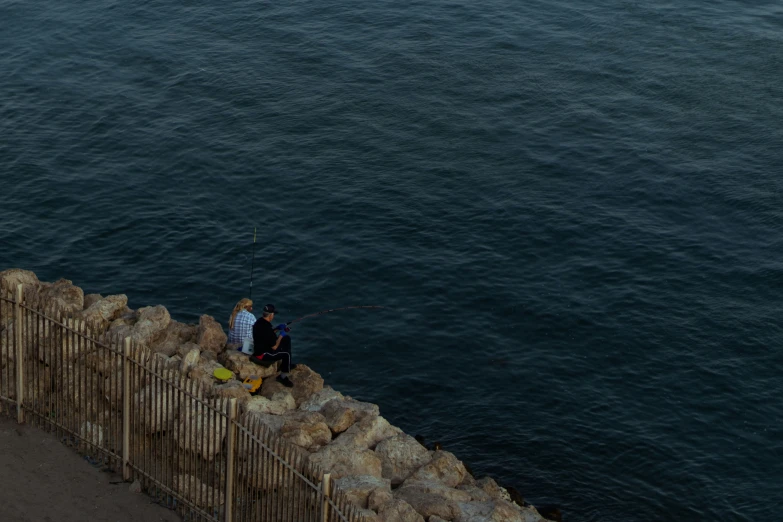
{"type": "Point", "coordinates": [328, 311]}
{"type": "Point", "coordinates": [252, 262]}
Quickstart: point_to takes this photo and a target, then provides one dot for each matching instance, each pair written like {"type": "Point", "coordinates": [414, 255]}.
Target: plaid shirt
{"type": "Point", "coordinates": [243, 327]}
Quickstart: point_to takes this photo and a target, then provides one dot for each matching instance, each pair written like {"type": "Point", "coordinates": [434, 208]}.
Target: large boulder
{"type": "Point", "coordinates": [157, 407]}
{"type": "Point", "coordinates": [341, 414]}
{"type": "Point", "coordinates": [400, 456]}
{"type": "Point", "coordinates": [272, 423]}
{"type": "Point", "coordinates": [475, 493]}
{"type": "Point", "coordinates": [102, 312]}
{"type": "Point", "coordinates": [171, 340]}
{"type": "Point", "coordinates": [343, 461]}
{"type": "Point", "coordinates": [280, 403]}
{"type": "Point", "coordinates": [201, 429]}
{"type": "Point", "coordinates": [367, 515]}
{"type": "Point", "coordinates": [428, 504]}
{"type": "Point", "coordinates": [91, 299]}
{"type": "Point", "coordinates": [378, 497]}
{"type": "Point", "coordinates": [203, 373]}
{"type": "Point", "coordinates": [93, 433]}
{"type": "Point", "coordinates": [397, 510]}
{"type": "Point", "coordinates": [211, 336]}
{"type": "Point", "coordinates": [150, 326]}
{"type": "Point", "coordinates": [193, 490]}
{"type": "Point", "coordinates": [435, 488]}
{"type": "Point", "coordinates": [64, 294]}
{"type": "Point", "coordinates": [444, 467]}
{"type": "Point", "coordinates": [190, 359]}
{"type": "Point", "coordinates": [306, 429]}
{"type": "Point", "coordinates": [9, 279]}
{"type": "Point", "coordinates": [232, 390]}
{"type": "Point", "coordinates": [367, 433]}
{"type": "Point", "coordinates": [306, 383]}
{"type": "Point", "coordinates": [491, 488]}
{"type": "Point", "coordinates": [358, 488]}
{"type": "Point", "coordinates": [495, 511]}
{"type": "Point", "coordinates": [75, 386]}
{"type": "Point", "coordinates": [240, 364]}
{"type": "Point", "coordinates": [319, 398]}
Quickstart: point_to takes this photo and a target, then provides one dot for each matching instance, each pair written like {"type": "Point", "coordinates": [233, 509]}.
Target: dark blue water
{"type": "Point", "coordinates": [572, 209]}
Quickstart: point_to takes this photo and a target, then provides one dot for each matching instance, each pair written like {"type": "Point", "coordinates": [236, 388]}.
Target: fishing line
{"type": "Point", "coordinates": [329, 311]}
{"type": "Point", "coordinates": [252, 262]}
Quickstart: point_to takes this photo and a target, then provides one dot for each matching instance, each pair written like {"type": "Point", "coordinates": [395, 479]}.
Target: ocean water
{"type": "Point", "coordinates": [571, 210]}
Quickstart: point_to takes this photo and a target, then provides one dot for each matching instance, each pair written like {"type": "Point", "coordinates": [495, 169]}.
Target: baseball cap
{"type": "Point", "coordinates": [270, 309]}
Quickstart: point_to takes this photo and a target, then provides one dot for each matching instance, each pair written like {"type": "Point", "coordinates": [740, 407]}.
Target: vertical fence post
{"type": "Point", "coordinates": [326, 483]}
{"type": "Point", "coordinates": [19, 355]}
{"type": "Point", "coordinates": [126, 367]}
{"type": "Point", "coordinates": [230, 457]}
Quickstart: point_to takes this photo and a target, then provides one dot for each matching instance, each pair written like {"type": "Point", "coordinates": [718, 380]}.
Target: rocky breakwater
{"type": "Point", "coordinates": [388, 474]}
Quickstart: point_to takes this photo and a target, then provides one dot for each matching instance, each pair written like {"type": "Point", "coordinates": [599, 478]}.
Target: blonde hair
{"type": "Point", "coordinates": [243, 304]}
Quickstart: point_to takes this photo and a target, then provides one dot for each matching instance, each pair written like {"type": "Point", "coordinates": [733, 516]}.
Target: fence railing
{"type": "Point", "coordinates": [121, 406]}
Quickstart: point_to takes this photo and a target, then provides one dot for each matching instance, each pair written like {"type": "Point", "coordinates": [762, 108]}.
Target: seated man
{"type": "Point", "coordinates": [270, 347]}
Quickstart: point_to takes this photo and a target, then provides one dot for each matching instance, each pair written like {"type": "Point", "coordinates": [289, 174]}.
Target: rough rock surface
{"type": "Point", "coordinates": [341, 414]}
{"type": "Point", "coordinates": [358, 488]}
{"type": "Point", "coordinates": [306, 429]}
{"type": "Point", "coordinates": [151, 325]}
{"type": "Point", "coordinates": [319, 398]}
{"type": "Point", "coordinates": [397, 510]}
{"type": "Point", "coordinates": [211, 336]}
{"type": "Point", "coordinates": [378, 497]}
{"type": "Point", "coordinates": [427, 504]}
{"type": "Point", "coordinates": [367, 515]}
{"type": "Point", "coordinates": [103, 311]}
{"type": "Point", "coordinates": [91, 299]}
{"type": "Point", "coordinates": [93, 433]}
{"type": "Point", "coordinates": [306, 383]}
{"type": "Point", "coordinates": [496, 492]}
{"type": "Point", "coordinates": [477, 494]}
{"type": "Point", "coordinates": [496, 511]}
{"type": "Point", "coordinates": [232, 390]}
{"type": "Point", "coordinates": [189, 360]}
{"type": "Point", "coordinates": [12, 277]}
{"type": "Point", "coordinates": [64, 294]}
{"type": "Point", "coordinates": [400, 456]}
{"type": "Point", "coordinates": [434, 488]}
{"type": "Point", "coordinates": [158, 407]}
{"type": "Point", "coordinates": [367, 433]}
{"type": "Point", "coordinates": [203, 373]}
{"type": "Point", "coordinates": [444, 467]}
{"type": "Point", "coordinates": [240, 364]}
{"type": "Point", "coordinates": [196, 491]}
{"type": "Point", "coordinates": [174, 337]}
{"type": "Point", "coordinates": [272, 423]}
{"type": "Point", "coordinates": [205, 441]}
{"type": "Point", "coordinates": [343, 461]}
{"type": "Point", "coordinates": [280, 403]}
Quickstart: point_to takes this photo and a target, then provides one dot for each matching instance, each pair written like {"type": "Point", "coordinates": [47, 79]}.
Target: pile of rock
{"type": "Point", "coordinates": [388, 474]}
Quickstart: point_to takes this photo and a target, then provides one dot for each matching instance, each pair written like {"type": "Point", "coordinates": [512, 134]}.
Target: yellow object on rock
{"type": "Point", "coordinates": [252, 383]}
{"type": "Point", "coordinates": [223, 374]}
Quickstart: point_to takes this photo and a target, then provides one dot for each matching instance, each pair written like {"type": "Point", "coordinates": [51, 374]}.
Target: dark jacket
{"type": "Point", "coordinates": [264, 337]}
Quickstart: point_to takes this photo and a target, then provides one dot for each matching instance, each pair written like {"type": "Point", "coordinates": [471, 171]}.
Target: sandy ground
{"type": "Point", "coordinates": [42, 480]}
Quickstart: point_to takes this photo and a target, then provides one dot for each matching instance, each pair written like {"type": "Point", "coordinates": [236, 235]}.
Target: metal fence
{"type": "Point", "coordinates": [125, 410]}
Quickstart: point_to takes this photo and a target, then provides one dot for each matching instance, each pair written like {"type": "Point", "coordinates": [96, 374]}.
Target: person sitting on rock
{"type": "Point", "coordinates": [272, 344]}
{"type": "Point", "coordinates": [240, 326]}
